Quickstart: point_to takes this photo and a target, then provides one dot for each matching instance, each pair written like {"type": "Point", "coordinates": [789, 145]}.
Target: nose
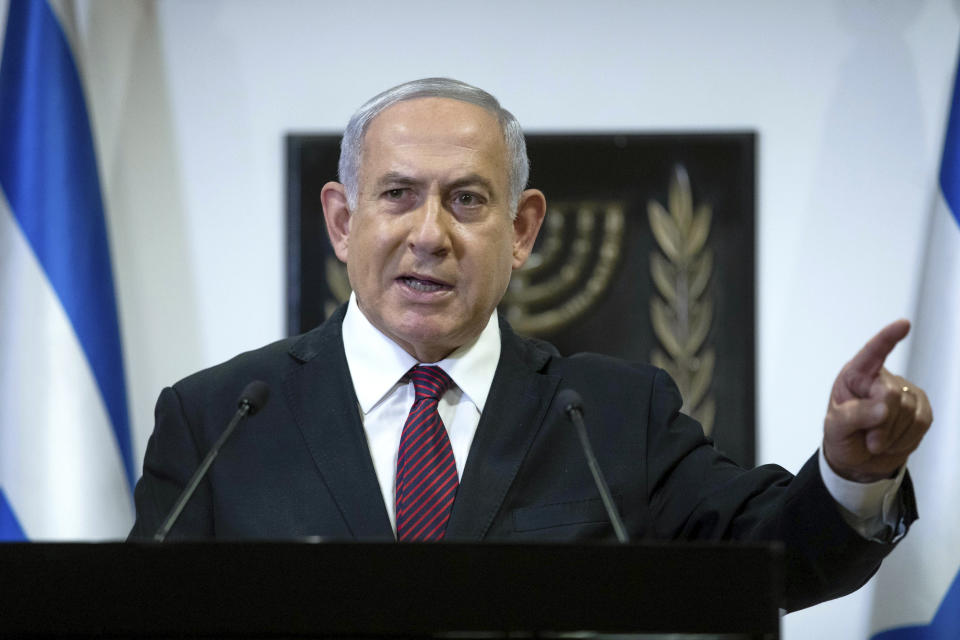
{"type": "Point", "coordinates": [429, 233]}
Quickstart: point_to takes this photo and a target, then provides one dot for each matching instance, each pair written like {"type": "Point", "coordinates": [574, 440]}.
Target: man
{"type": "Point", "coordinates": [416, 412]}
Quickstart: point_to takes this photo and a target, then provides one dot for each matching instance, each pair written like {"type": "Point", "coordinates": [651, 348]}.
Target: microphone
{"type": "Point", "coordinates": [254, 396]}
{"type": "Point", "coordinates": [572, 404]}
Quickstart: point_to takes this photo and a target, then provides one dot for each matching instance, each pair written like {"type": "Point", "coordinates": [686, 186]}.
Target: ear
{"type": "Point", "coordinates": [530, 211]}
{"type": "Point", "coordinates": [336, 213]}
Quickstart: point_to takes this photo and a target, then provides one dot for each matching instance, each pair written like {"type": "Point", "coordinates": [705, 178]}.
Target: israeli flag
{"type": "Point", "coordinates": [66, 465]}
{"type": "Point", "coordinates": [917, 596]}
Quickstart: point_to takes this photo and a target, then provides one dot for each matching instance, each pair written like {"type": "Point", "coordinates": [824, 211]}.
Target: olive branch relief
{"type": "Point", "coordinates": [683, 312]}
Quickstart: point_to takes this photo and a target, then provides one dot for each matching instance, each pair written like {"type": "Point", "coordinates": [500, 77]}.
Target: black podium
{"type": "Point", "coordinates": [285, 590]}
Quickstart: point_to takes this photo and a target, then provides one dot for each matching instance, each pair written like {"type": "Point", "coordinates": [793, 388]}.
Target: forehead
{"type": "Point", "coordinates": [436, 128]}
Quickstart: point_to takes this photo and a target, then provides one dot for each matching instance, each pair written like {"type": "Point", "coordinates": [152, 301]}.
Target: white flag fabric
{"type": "Point", "coordinates": [917, 595]}
{"type": "Point", "coordinates": [66, 464]}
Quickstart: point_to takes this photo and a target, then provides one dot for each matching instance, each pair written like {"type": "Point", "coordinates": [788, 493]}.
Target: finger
{"type": "Point", "coordinates": [869, 360]}
{"type": "Point", "coordinates": [908, 441]}
{"type": "Point", "coordinates": [901, 414]}
{"type": "Point", "coordinates": [900, 399]}
{"type": "Point", "coordinates": [924, 410]}
{"type": "Point", "coordinates": [907, 413]}
{"type": "Point", "coordinates": [851, 416]}
{"type": "Point", "coordinates": [919, 424]}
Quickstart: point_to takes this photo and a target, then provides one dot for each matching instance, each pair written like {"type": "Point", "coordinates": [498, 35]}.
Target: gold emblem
{"type": "Point", "coordinates": [569, 269]}
{"type": "Point", "coordinates": [683, 312]}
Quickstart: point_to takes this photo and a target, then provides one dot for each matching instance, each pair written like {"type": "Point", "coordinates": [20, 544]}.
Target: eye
{"type": "Point", "coordinates": [398, 198]}
{"type": "Point", "coordinates": [468, 199]}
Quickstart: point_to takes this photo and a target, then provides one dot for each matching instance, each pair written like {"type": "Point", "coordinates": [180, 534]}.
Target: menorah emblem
{"type": "Point", "coordinates": [683, 313]}
{"type": "Point", "coordinates": [570, 268]}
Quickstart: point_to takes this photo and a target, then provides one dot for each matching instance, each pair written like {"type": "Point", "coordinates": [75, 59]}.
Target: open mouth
{"type": "Point", "coordinates": [424, 285]}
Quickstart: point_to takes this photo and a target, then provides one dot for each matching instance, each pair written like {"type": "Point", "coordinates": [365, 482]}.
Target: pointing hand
{"type": "Point", "coordinates": [875, 419]}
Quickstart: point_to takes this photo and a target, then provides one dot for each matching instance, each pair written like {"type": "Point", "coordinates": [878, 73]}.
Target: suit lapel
{"type": "Point", "coordinates": [516, 406]}
{"type": "Point", "coordinates": [321, 397]}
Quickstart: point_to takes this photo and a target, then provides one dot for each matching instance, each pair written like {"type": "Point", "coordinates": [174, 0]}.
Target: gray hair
{"type": "Point", "coordinates": [351, 147]}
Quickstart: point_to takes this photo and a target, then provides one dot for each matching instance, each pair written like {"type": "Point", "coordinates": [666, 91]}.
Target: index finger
{"type": "Point", "coordinates": [869, 360]}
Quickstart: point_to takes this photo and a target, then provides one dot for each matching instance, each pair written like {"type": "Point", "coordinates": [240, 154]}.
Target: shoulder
{"type": "Point", "coordinates": [602, 379]}
{"type": "Point", "coordinates": [545, 356]}
{"type": "Point", "coordinates": [621, 382]}
{"type": "Point", "coordinates": [269, 363]}
{"type": "Point", "coordinates": [249, 364]}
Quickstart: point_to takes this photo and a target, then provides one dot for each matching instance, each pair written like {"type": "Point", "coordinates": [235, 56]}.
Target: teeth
{"type": "Point", "coordinates": [422, 285]}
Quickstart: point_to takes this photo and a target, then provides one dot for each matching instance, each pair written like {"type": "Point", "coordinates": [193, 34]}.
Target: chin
{"type": "Point", "coordinates": [426, 335]}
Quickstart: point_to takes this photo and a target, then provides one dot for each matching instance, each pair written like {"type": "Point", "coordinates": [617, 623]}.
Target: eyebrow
{"type": "Point", "coordinates": [395, 177]}
{"type": "Point", "coordinates": [400, 179]}
{"type": "Point", "coordinates": [472, 179]}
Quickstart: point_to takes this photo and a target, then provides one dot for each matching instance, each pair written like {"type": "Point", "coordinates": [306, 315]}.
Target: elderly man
{"type": "Point", "coordinates": [415, 412]}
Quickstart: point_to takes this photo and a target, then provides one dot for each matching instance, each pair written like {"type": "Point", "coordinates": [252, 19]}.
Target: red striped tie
{"type": "Point", "coordinates": [426, 471]}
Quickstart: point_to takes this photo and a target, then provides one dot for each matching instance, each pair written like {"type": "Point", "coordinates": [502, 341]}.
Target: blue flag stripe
{"type": "Point", "coordinates": [10, 529]}
{"type": "Point", "coordinates": [48, 172]}
{"type": "Point", "coordinates": [950, 160]}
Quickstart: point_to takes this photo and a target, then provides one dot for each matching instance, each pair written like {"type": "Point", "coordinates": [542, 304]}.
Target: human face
{"type": "Point", "coordinates": [431, 245]}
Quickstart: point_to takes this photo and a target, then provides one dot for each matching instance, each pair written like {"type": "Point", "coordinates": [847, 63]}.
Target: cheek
{"type": "Point", "coordinates": [367, 259]}
{"type": "Point", "coordinates": [496, 257]}
{"type": "Point", "coordinates": [506, 251]}
{"type": "Point", "coordinates": [374, 243]}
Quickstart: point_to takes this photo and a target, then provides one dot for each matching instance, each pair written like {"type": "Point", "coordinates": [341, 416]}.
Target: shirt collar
{"type": "Point", "coordinates": [377, 363]}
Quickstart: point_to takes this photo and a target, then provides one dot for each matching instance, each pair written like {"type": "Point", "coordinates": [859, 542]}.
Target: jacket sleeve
{"type": "Point", "coordinates": [696, 493]}
{"type": "Point", "coordinates": [171, 458]}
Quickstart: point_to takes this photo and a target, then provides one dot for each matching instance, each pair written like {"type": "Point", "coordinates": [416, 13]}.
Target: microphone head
{"type": "Point", "coordinates": [569, 400]}
{"type": "Point", "coordinates": [255, 395]}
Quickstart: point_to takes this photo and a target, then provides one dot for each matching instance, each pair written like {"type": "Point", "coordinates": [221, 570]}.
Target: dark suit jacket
{"type": "Point", "coordinates": [301, 466]}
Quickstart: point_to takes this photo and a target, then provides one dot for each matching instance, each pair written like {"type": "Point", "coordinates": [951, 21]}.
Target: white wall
{"type": "Point", "coordinates": [849, 99]}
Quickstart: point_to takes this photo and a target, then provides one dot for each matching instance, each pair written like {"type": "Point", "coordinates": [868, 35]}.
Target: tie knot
{"type": "Point", "coordinates": [429, 381]}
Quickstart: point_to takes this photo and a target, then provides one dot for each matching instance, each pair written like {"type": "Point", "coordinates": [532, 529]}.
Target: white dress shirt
{"type": "Point", "coordinates": [871, 508]}
{"type": "Point", "coordinates": [377, 366]}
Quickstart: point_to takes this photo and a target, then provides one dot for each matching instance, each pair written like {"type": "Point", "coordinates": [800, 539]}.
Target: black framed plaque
{"type": "Point", "coordinates": [647, 253]}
